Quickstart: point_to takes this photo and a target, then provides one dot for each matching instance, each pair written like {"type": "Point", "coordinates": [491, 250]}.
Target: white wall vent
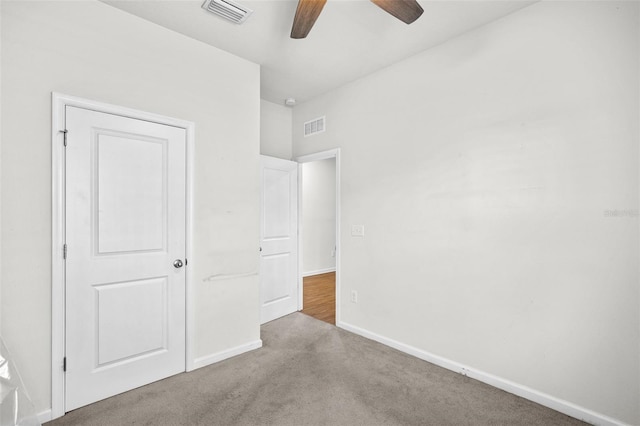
{"type": "Point", "coordinates": [228, 9]}
{"type": "Point", "coordinates": [314, 126]}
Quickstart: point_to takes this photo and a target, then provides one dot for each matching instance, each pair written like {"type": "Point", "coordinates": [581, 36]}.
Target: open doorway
{"type": "Point", "coordinates": [319, 254]}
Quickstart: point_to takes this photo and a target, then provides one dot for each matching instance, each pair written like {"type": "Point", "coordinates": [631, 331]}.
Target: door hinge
{"type": "Point", "coordinates": [64, 134]}
{"type": "Point", "coordinates": [64, 364]}
{"type": "Point", "coordinates": [186, 261]}
{"type": "Point", "coordinates": [64, 251]}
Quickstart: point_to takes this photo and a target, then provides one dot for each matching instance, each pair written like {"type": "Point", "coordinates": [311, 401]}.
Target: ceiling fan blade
{"type": "Point", "coordinates": [306, 15]}
{"type": "Point", "coordinates": [405, 10]}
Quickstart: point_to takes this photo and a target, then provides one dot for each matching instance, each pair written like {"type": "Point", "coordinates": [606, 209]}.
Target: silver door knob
{"type": "Point", "coordinates": [177, 263]}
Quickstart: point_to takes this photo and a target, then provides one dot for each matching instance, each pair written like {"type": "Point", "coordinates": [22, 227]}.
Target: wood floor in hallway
{"type": "Point", "coordinates": [319, 297]}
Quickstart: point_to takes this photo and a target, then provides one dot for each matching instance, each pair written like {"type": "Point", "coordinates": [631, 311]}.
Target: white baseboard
{"type": "Point", "coordinates": [45, 416]}
{"type": "Point", "coordinates": [219, 356]}
{"type": "Point", "coordinates": [525, 392]}
{"type": "Point", "coordinates": [318, 272]}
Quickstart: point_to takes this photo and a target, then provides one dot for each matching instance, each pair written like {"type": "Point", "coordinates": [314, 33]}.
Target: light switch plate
{"type": "Point", "coordinates": [357, 230]}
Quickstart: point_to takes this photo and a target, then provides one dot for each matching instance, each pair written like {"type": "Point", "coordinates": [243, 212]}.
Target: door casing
{"type": "Point", "coordinates": [324, 155]}
{"type": "Point", "coordinates": [58, 103]}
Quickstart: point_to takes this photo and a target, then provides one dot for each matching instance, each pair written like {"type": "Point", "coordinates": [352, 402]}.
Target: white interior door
{"type": "Point", "coordinates": [125, 228]}
{"type": "Point", "coordinates": [278, 238]}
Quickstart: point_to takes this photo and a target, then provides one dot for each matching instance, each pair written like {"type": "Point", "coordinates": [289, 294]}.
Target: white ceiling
{"type": "Point", "coordinates": [351, 38]}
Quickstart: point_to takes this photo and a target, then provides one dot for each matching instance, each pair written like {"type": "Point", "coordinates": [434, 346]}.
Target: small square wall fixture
{"type": "Point", "coordinates": [228, 9]}
{"type": "Point", "coordinates": [314, 126]}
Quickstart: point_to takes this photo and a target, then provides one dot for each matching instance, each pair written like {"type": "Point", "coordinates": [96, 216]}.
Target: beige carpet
{"type": "Point", "coordinates": [312, 373]}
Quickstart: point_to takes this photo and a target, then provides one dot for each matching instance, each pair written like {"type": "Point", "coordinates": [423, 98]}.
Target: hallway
{"type": "Point", "coordinates": [319, 299]}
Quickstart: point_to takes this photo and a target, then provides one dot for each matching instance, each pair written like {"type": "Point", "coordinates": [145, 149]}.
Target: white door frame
{"type": "Point", "coordinates": [58, 103]}
{"type": "Point", "coordinates": [324, 155]}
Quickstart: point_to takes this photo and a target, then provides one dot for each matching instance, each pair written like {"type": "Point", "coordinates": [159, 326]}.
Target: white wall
{"type": "Point", "coordinates": [275, 130]}
{"type": "Point", "coordinates": [92, 50]}
{"type": "Point", "coordinates": [0, 171]}
{"type": "Point", "coordinates": [318, 216]}
{"type": "Point", "coordinates": [486, 172]}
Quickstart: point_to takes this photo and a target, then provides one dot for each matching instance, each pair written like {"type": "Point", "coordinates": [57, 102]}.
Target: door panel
{"type": "Point", "coordinates": [131, 319]}
{"type": "Point", "coordinates": [276, 267]}
{"type": "Point", "coordinates": [121, 227]}
{"type": "Point", "coordinates": [279, 238]}
{"type": "Point", "coordinates": [125, 225]}
{"type": "Point", "coordinates": [277, 211]}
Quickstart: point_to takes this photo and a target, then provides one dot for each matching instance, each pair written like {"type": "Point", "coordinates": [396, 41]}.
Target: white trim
{"type": "Point", "coordinates": [323, 155]}
{"type": "Point", "coordinates": [190, 316]}
{"type": "Point", "coordinates": [525, 392]}
{"type": "Point", "coordinates": [300, 245]}
{"type": "Point", "coordinates": [332, 153]}
{"type": "Point", "coordinates": [228, 353]}
{"type": "Point", "coordinates": [58, 103]}
{"type": "Point", "coordinates": [44, 416]}
{"type": "Point", "coordinates": [57, 262]}
{"type": "Point", "coordinates": [318, 272]}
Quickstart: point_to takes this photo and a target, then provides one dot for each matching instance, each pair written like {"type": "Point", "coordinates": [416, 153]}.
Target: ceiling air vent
{"type": "Point", "coordinates": [228, 9]}
{"type": "Point", "coordinates": [314, 126]}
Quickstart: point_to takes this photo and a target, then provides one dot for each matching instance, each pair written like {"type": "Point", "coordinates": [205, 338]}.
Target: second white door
{"type": "Point", "coordinates": [278, 238]}
{"type": "Point", "coordinates": [126, 241]}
